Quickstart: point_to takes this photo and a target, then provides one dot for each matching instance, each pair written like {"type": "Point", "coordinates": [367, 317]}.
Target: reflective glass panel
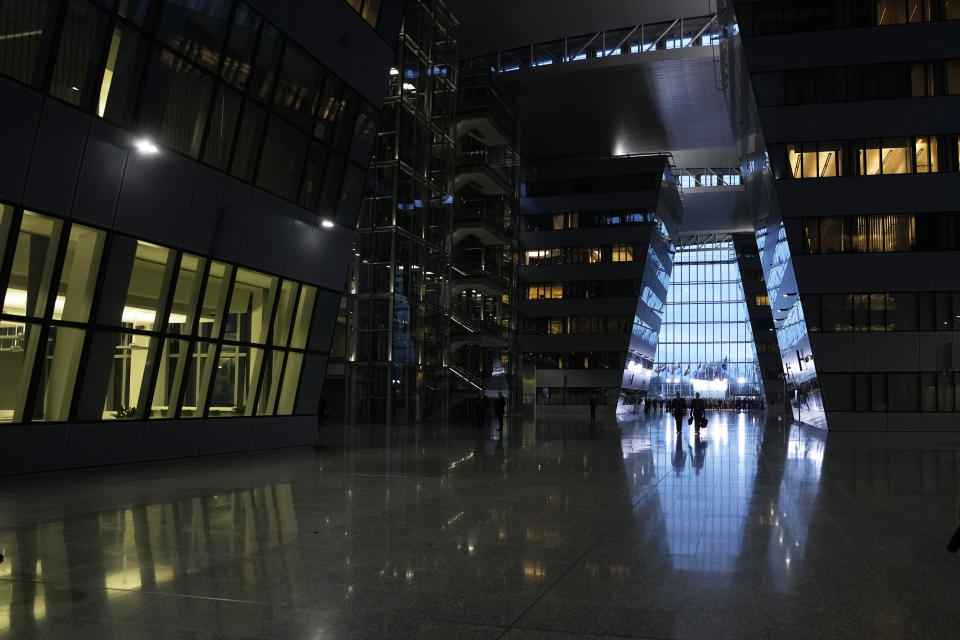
{"type": "Point", "coordinates": [120, 83]}
{"type": "Point", "coordinates": [186, 295]}
{"type": "Point", "coordinates": [74, 77]}
{"type": "Point", "coordinates": [284, 317]}
{"type": "Point", "coordinates": [147, 286]}
{"type": "Point", "coordinates": [222, 128]}
{"type": "Point", "coordinates": [59, 374]}
{"type": "Point", "coordinates": [214, 300]}
{"type": "Point", "coordinates": [195, 28]}
{"type": "Point", "coordinates": [78, 277]}
{"type": "Point", "coordinates": [234, 382]}
{"type": "Point", "coordinates": [26, 31]}
{"type": "Point", "coordinates": [197, 381]}
{"type": "Point", "coordinates": [270, 386]}
{"type": "Point", "coordinates": [251, 306]}
{"type": "Point", "coordinates": [896, 156]}
{"type": "Point", "coordinates": [301, 326]}
{"type": "Point", "coordinates": [291, 380]}
{"type": "Point", "coordinates": [170, 372]}
{"type": "Point", "coordinates": [178, 99]}
{"type": "Point", "coordinates": [30, 275]}
{"type": "Point", "coordinates": [18, 344]}
{"type": "Point", "coordinates": [128, 374]}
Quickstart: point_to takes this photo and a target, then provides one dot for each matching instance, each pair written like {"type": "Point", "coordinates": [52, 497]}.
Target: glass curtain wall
{"type": "Point", "coordinates": [100, 326]}
{"type": "Point", "coordinates": [398, 311]}
{"type": "Point", "coordinates": [706, 342]}
{"type": "Point", "coordinates": [213, 80]}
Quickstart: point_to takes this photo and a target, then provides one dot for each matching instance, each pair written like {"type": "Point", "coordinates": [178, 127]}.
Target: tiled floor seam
{"type": "Point", "coordinates": [590, 548]}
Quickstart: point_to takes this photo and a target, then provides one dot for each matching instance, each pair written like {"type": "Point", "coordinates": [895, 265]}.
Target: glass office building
{"type": "Point", "coordinates": [706, 341]}
{"type": "Point", "coordinates": [178, 196]}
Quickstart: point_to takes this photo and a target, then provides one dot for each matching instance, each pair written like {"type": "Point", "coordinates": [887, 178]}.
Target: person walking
{"type": "Point", "coordinates": [679, 409]}
{"type": "Point", "coordinates": [699, 410]}
{"type": "Point", "coordinates": [500, 408]}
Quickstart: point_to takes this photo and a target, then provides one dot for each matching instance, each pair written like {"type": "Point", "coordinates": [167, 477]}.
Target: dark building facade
{"type": "Point", "coordinates": [596, 255]}
{"type": "Point", "coordinates": [178, 197]}
{"type": "Point", "coordinates": [852, 109]}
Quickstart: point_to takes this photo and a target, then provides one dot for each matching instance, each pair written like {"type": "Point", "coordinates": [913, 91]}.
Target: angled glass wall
{"type": "Point", "coordinates": [706, 343]}
{"type": "Point", "coordinates": [99, 326]}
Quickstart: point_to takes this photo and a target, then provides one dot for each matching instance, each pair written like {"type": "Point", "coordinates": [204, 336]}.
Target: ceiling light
{"type": "Point", "coordinates": [145, 146]}
{"type": "Point", "coordinates": [394, 71]}
{"type": "Point", "coordinates": [327, 223]}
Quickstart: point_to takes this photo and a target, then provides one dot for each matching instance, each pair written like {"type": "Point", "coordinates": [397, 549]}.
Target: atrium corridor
{"type": "Point", "coordinates": [558, 530]}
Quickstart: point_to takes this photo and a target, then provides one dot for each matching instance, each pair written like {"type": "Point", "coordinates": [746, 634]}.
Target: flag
{"type": "Point", "coordinates": [687, 372]}
{"type": "Point", "coordinates": [724, 366]}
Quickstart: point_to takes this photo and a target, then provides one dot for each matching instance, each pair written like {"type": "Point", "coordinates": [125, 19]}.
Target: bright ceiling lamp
{"type": "Point", "coordinates": [145, 146]}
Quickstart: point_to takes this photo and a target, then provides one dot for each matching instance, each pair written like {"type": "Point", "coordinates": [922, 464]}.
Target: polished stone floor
{"type": "Point", "coordinates": [557, 530]}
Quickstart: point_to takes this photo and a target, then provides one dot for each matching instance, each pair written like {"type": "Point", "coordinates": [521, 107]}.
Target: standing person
{"type": "Point", "coordinates": [679, 410]}
{"type": "Point", "coordinates": [593, 408]}
{"type": "Point", "coordinates": [699, 410]}
{"type": "Point", "coordinates": [480, 409]}
{"type": "Point", "coordinates": [500, 408]}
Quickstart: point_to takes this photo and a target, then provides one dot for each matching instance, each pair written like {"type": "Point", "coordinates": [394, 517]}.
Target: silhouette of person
{"type": "Point", "coordinates": [679, 457]}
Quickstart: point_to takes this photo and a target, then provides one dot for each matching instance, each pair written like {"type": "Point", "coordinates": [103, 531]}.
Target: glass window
{"type": "Point", "coordinates": [298, 87]}
{"type": "Point", "coordinates": [868, 158]}
{"type": "Point", "coordinates": [878, 392]}
{"type": "Point", "coordinates": [215, 299]}
{"type": "Point", "coordinates": [896, 156]}
{"type": "Point", "coordinates": [891, 12]}
{"type": "Point", "coordinates": [291, 382]}
{"type": "Point", "coordinates": [281, 161]}
{"type": "Point", "coordinates": [904, 391]}
{"type": "Point", "coordinates": [26, 34]}
{"type": "Point", "coordinates": [313, 176]}
{"type": "Point", "coordinates": [925, 151]}
{"type": "Point", "coordinates": [248, 141]}
{"type": "Point", "coordinates": [18, 346]}
{"type": "Point", "coordinates": [265, 63]}
{"type": "Point", "coordinates": [197, 381]}
{"type": "Point", "coordinates": [331, 184]}
{"type": "Point", "coordinates": [861, 312]}
{"type": "Point", "coordinates": [301, 325]}
{"type": "Point", "coordinates": [251, 307]}
{"type": "Point", "coordinates": [234, 383]}
{"type": "Point", "coordinates": [78, 278]}
{"type": "Point", "coordinates": [928, 392]}
{"type": "Point", "coordinates": [177, 101]}
{"type": "Point", "coordinates": [28, 288]}
{"type": "Point", "coordinates": [186, 294]}
{"type": "Point", "coordinates": [349, 104]}
{"type": "Point", "coordinates": [150, 268]}
{"type": "Point", "coordinates": [223, 125]}
{"type": "Point", "coordinates": [330, 108]}
{"type": "Point", "coordinates": [128, 387]}
{"type": "Point", "coordinates": [238, 55]}
{"type": "Point", "coordinates": [117, 100]}
{"type": "Point", "coordinates": [270, 385]}
{"type": "Point", "coordinates": [74, 76]}
{"type": "Point", "coordinates": [836, 312]}
{"type": "Point", "coordinates": [945, 391]}
{"type": "Point", "coordinates": [170, 372]}
{"type": "Point", "coordinates": [831, 234]}
{"type": "Point", "coordinates": [622, 253]}
{"type": "Point", "coordinates": [195, 28]}
{"type": "Point", "coordinates": [951, 69]}
{"type": "Point", "coordinates": [830, 159]}
{"type": "Point", "coordinates": [351, 190]}
{"type": "Point", "coordinates": [364, 132]}
{"type": "Point", "coordinates": [798, 157]}
{"type": "Point", "coordinates": [902, 312]}
{"type": "Point", "coordinates": [371, 9]}
{"type": "Point", "coordinates": [878, 311]}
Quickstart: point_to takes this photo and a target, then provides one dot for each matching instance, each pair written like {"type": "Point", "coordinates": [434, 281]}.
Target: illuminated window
{"type": "Point", "coordinates": [763, 301]}
{"type": "Point", "coordinates": [896, 156]}
{"type": "Point", "coordinates": [926, 150]}
{"type": "Point", "coordinates": [622, 253]}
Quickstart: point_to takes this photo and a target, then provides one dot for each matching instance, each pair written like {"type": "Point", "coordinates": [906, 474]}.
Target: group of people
{"type": "Point", "coordinates": [482, 407]}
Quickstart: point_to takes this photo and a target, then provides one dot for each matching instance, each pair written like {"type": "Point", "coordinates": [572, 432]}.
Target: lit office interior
{"type": "Point", "coordinates": [101, 326]}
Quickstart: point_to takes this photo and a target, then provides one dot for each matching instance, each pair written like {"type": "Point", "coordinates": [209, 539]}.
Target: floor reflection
{"type": "Point", "coordinates": [621, 528]}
